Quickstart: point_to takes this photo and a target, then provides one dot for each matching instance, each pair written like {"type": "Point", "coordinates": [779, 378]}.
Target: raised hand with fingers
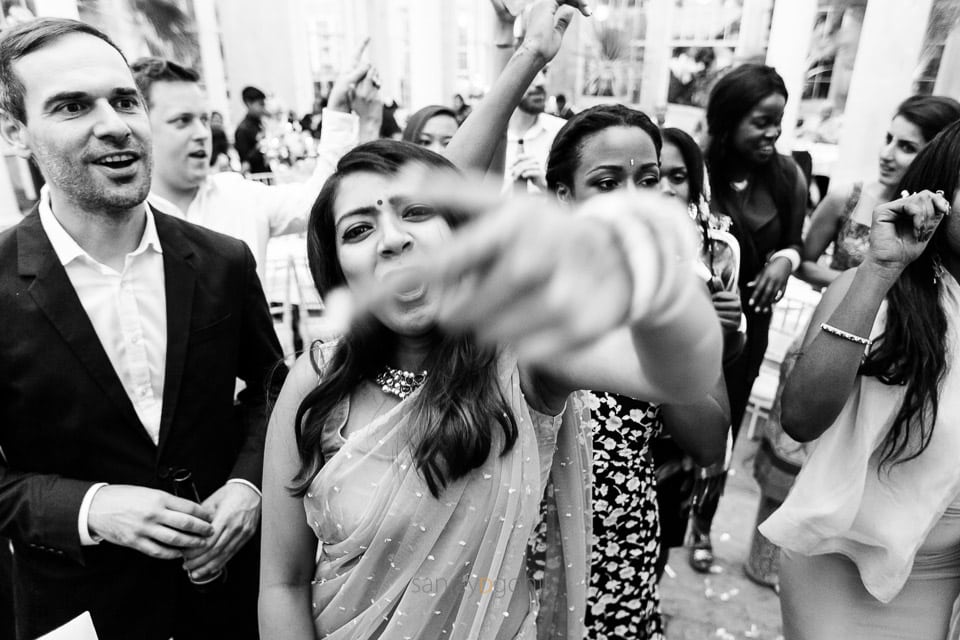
{"type": "Point", "coordinates": [344, 88]}
{"type": "Point", "coordinates": [543, 23]}
{"type": "Point", "coordinates": [902, 228]}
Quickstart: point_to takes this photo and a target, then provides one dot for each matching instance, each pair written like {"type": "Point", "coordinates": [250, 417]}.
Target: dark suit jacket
{"type": "Point", "coordinates": [66, 422]}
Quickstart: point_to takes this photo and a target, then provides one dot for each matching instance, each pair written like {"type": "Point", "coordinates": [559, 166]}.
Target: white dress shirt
{"type": "Point", "coordinates": [128, 311]}
{"type": "Point", "coordinates": [255, 212]}
{"type": "Point", "coordinates": [537, 141]}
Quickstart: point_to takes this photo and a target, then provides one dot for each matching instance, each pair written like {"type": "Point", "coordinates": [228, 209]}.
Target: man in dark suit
{"type": "Point", "coordinates": [123, 333]}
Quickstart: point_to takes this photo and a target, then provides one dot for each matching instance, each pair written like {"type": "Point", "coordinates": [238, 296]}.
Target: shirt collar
{"type": "Point", "coordinates": [534, 131]}
{"type": "Point", "coordinates": [207, 187]}
{"type": "Point", "coordinates": [66, 247]}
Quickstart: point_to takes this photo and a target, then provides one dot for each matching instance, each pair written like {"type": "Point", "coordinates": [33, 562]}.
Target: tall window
{"type": "Point", "coordinates": [613, 53]}
{"type": "Point", "coordinates": [943, 20]}
{"type": "Point", "coordinates": [706, 33]}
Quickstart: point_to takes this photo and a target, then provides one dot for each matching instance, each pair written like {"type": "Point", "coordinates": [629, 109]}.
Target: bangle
{"type": "Point", "coordinates": [660, 255]}
{"type": "Point", "coordinates": [840, 333]}
{"type": "Point", "coordinates": [791, 254]}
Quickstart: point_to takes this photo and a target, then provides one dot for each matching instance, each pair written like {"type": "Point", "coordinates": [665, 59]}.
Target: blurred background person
{"type": "Point", "coordinates": [563, 109]}
{"type": "Point", "coordinates": [681, 481]}
{"type": "Point", "coordinates": [432, 127]}
{"type": "Point", "coordinates": [461, 108]}
{"type": "Point", "coordinates": [220, 147]}
{"type": "Point", "coordinates": [183, 185]}
{"type": "Point", "coordinates": [529, 135]}
{"type": "Point", "coordinates": [765, 196]}
{"type": "Point", "coordinates": [249, 132]}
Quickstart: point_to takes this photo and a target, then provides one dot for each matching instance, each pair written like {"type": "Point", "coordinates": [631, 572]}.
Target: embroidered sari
{"type": "Point", "coordinates": [395, 562]}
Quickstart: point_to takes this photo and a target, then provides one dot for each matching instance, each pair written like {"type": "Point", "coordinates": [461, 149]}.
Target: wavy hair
{"type": "Point", "coordinates": [913, 348]}
{"type": "Point", "coordinates": [460, 402]}
{"type": "Point", "coordinates": [564, 155]}
{"type": "Point", "coordinates": [930, 114]}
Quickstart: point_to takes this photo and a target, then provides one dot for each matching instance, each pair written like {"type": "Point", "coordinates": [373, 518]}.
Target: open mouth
{"type": "Point", "coordinates": [200, 154]}
{"type": "Point", "coordinates": [117, 160]}
{"type": "Point", "coordinates": [411, 295]}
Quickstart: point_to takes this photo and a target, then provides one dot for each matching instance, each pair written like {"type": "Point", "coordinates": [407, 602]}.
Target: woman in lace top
{"type": "Point", "coordinates": [843, 217]}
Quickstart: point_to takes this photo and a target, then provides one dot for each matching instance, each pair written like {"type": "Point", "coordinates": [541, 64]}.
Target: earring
{"type": "Point", "coordinates": [937, 265]}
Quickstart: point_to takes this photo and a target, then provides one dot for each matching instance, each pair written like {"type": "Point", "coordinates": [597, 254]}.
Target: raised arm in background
{"type": "Point", "coordinates": [476, 142]}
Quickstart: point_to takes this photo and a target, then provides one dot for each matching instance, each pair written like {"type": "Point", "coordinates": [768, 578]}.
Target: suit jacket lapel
{"type": "Point", "coordinates": [54, 294]}
{"type": "Point", "coordinates": [179, 281]}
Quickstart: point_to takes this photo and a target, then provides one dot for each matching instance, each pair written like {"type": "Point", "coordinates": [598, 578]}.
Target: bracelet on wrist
{"type": "Point", "coordinates": [846, 335]}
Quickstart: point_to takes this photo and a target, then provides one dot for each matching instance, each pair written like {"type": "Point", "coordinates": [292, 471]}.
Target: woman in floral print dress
{"type": "Point", "coordinates": [602, 149]}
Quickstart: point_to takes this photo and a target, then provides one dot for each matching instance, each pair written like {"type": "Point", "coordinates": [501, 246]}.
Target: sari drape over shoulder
{"type": "Point", "coordinates": [396, 562]}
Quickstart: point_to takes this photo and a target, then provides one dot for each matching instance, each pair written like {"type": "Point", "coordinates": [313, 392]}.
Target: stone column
{"type": "Point", "coordinates": [427, 66]}
{"type": "Point", "coordinates": [789, 44]}
{"type": "Point", "coordinates": [656, 55]}
{"type": "Point", "coordinates": [881, 79]}
{"type": "Point", "coordinates": [753, 29]}
{"type": "Point", "coordinates": [214, 80]}
{"type": "Point", "coordinates": [948, 76]}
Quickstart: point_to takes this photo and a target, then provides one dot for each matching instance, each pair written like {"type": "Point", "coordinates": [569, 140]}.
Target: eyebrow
{"type": "Point", "coordinates": [370, 210]}
{"type": "Point", "coordinates": [67, 96]}
{"type": "Point", "coordinates": [616, 167]}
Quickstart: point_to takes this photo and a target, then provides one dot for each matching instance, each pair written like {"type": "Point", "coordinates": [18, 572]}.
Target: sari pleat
{"type": "Point", "coordinates": [395, 562]}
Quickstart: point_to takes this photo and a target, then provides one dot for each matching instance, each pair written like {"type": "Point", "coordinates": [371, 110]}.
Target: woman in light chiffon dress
{"type": "Point", "coordinates": [870, 532]}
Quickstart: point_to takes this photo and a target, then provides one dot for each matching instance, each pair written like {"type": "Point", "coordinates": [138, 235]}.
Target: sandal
{"type": "Point", "coordinates": [701, 552]}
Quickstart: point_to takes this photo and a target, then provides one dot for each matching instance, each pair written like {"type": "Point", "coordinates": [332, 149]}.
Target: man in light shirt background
{"type": "Point", "coordinates": [124, 332]}
{"type": "Point", "coordinates": [226, 202]}
{"type": "Point", "coordinates": [530, 135]}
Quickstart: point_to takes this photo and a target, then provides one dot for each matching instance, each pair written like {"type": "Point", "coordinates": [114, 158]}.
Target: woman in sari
{"type": "Point", "coordinates": [417, 448]}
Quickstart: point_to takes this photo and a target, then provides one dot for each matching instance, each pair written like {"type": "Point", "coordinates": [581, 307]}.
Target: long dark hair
{"type": "Point", "coordinates": [564, 155]}
{"type": "Point", "coordinates": [731, 100]}
{"type": "Point", "coordinates": [930, 114]}
{"type": "Point", "coordinates": [692, 160]}
{"type": "Point", "coordinates": [913, 348]}
{"type": "Point", "coordinates": [460, 400]}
